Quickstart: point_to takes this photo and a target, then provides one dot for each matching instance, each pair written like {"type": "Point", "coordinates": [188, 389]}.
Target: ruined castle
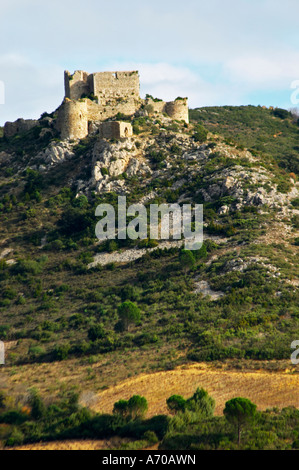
{"type": "Point", "coordinates": [91, 100]}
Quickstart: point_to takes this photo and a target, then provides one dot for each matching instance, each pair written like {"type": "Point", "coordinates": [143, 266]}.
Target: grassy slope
{"type": "Point", "coordinates": [255, 128]}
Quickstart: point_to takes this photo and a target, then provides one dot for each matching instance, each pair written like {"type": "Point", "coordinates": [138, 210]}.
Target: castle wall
{"type": "Point", "coordinates": [101, 113]}
{"type": "Point", "coordinates": [157, 106]}
{"type": "Point", "coordinates": [110, 86]}
{"type": "Point", "coordinates": [19, 126]}
{"type": "Point", "coordinates": [177, 109]}
{"type": "Point", "coordinates": [76, 85]}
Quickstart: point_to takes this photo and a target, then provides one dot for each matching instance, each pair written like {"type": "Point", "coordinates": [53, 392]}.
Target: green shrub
{"type": "Point", "coordinates": [176, 403]}
{"type": "Point", "coordinates": [96, 332]}
{"type": "Point", "coordinates": [15, 439]}
{"type": "Point", "coordinates": [13, 417]}
{"type": "Point", "coordinates": [200, 134]}
{"type": "Point", "coordinates": [134, 408]}
{"type": "Point", "coordinates": [281, 113]}
{"type": "Point", "coordinates": [187, 260]}
{"type": "Point", "coordinates": [129, 314]}
{"type": "Point", "coordinates": [61, 352]}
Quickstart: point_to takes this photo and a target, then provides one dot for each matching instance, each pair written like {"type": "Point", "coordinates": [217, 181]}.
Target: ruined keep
{"type": "Point", "coordinates": [97, 97]}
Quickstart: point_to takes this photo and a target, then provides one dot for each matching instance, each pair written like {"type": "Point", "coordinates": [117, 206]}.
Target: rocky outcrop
{"type": "Point", "coordinates": [57, 152]}
{"type": "Point", "coordinates": [248, 187]}
{"type": "Point", "coordinates": [113, 160]}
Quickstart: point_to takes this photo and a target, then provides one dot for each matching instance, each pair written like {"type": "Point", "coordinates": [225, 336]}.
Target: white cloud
{"type": "Point", "coordinates": [29, 89]}
{"type": "Point", "coordinates": [264, 71]}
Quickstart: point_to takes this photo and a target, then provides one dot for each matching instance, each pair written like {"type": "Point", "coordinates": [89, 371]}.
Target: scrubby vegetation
{"type": "Point", "coordinates": [271, 132]}
{"type": "Point", "coordinates": [192, 425]}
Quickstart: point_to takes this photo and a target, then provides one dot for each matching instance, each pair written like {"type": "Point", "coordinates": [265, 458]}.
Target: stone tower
{"type": "Point", "coordinates": [72, 119]}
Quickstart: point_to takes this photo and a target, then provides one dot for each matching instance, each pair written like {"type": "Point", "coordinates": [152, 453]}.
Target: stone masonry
{"type": "Point", "coordinates": [19, 126]}
{"type": "Point", "coordinates": [115, 130]}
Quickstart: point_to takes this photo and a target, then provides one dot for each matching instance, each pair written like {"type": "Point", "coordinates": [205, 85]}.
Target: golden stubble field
{"type": "Point", "coordinates": [265, 388]}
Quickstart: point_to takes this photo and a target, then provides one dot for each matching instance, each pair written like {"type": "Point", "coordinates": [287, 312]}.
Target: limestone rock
{"type": "Point", "coordinates": [112, 160]}
{"type": "Point", "coordinates": [57, 152]}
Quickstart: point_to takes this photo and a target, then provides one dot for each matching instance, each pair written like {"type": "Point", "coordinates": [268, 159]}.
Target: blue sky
{"type": "Point", "coordinates": [215, 52]}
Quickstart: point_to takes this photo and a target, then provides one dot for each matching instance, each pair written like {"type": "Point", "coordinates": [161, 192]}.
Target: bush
{"type": "Point", "coordinates": [200, 134]}
{"type": "Point", "coordinates": [96, 332]}
{"type": "Point", "coordinates": [176, 403]}
{"type": "Point", "coordinates": [295, 444]}
{"type": "Point", "coordinates": [101, 426]}
{"type": "Point", "coordinates": [201, 403]}
{"type": "Point", "coordinates": [157, 424]}
{"type": "Point", "coordinates": [134, 408]}
{"type": "Point", "coordinates": [15, 439]}
{"type": "Point", "coordinates": [28, 266]}
{"type": "Point", "coordinates": [281, 113]}
{"type": "Point", "coordinates": [61, 352]}
{"type": "Point", "coordinates": [37, 405]}
{"type": "Point", "coordinates": [13, 417]}
{"type": "Point", "coordinates": [128, 313]}
{"type": "Point", "coordinates": [151, 437]}
{"type": "Point", "coordinates": [187, 260]}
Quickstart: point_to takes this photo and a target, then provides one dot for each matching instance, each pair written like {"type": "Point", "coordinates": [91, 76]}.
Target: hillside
{"type": "Point", "coordinates": [235, 301]}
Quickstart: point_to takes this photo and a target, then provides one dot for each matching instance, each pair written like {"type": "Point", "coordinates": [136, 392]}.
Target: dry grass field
{"type": "Point", "coordinates": [266, 389]}
{"type": "Point", "coordinates": [101, 384]}
{"type": "Point", "coordinates": [74, 445]}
